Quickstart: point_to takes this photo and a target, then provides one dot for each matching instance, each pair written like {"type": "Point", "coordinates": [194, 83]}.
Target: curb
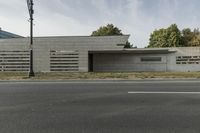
{"type": "Point", "coordinates": [102, 80]}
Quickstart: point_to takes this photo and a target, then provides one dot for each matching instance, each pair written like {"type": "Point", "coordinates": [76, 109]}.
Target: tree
{"type": "Point", "coordinates": [158, 38]}
{"type": "Point", "coordinates": [169, 37]}
{"type": "Point", "coordinates": [186, 37]}
{"type": "Point", "coordinates": [129, 45]}
{"type": "Point", "coordinates": [173, 37]}
{"type": "Point", "coordinates": [190, 38]}
{"type": "Point", "coordinates": [110, 30]}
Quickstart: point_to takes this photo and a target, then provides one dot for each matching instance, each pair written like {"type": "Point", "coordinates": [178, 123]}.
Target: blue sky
{"type": "Point", "coordinates": [139, 18]}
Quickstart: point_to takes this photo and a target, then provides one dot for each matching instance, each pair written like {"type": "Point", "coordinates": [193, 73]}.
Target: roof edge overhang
{"type": "Point", "coordinates": [134, 51]}
{"type": "Point", "coordinates": [81, 36]}
{"type": "Point", "coordinates": [57, 37]}
{"type": "Point", "coordinates": [8, 35]}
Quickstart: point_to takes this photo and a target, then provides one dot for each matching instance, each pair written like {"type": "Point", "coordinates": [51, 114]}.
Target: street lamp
{"type": "Point", "coordinates": [31, 11]}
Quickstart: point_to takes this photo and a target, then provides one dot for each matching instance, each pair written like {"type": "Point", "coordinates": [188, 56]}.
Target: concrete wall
{"type": "Point", "coordinates": [128, 62]}
{"type": "Point", "coordinates": [104, 61]}
{"type": "Point", "coordinates": [183, 51]}
{"type": "Point", "coordinates": [132, 62]}
{"type": "Point", "coordinates": [43, 45]}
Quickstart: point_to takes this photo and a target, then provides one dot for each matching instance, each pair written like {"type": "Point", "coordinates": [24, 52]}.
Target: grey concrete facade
{"type": "Point", "coordinates": [101, 54]}
{"type": "Point", "coordinates": [171, 59]}
{"type": "Point", "coordinates": [127, 63]}
{"type": "Point", "coordinates": [65, 48]}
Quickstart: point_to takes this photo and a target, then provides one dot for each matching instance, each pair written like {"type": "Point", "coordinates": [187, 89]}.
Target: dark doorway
{"type": "Point", "coordinates": [90, 63]}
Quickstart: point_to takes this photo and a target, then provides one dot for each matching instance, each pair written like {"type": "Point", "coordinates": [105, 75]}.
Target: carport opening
{"type": "Point", "coordinates": [90, 63]}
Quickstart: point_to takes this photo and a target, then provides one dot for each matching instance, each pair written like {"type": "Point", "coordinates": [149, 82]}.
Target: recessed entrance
{"type": "Point", "coordinates": [90, 63]}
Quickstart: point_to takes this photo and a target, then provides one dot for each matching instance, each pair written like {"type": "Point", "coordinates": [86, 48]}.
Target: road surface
{"type": "Point", "coordinates": [100, 107]}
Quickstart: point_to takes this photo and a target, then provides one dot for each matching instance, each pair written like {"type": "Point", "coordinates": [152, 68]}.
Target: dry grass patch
{"type": "Point", "coordinates": [98, 75]}
{"type": "Point", "coordinates": [81, 76]}
{"type": "Point", "coordinates": [13, 75]}
{"type": "Point", "coordinates": [168, 75]}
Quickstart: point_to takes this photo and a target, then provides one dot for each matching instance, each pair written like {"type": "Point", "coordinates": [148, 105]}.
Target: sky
{"type": "Point", "coordinates": [139, 18]}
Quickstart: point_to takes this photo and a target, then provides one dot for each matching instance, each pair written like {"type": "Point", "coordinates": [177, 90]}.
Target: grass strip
{"type": "Point", "coordinates": [98, 75]}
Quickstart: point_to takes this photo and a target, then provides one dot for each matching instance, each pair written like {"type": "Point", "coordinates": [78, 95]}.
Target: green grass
{"type": "Point", "coordinates": [98, 75]}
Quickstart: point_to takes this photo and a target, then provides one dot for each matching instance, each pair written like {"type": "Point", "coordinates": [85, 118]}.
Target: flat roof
{"type": "Point", "coordinates": [80, 36]}
{"type": "Point", "coordinates": [6, 35]}
{"type": "Point", "coordinates": [136, 51]}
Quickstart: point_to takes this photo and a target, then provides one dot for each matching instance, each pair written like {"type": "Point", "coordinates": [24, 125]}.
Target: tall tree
{"type": "Point", "coordinates": [190, 38]}
{"type": "Point", "coordinates": [186, 37]}
{"type": "Point", "coordinates": [174, 36]}
{"type": "Point", "coordinates": [110, 30]}
{"type": "Point", "coordinates": [169, 37]}
{"type": "Point", "coordinates": [107, 30]}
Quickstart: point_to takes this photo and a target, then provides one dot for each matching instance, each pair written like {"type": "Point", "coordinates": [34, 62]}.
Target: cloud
{"type": "Point", "coordinates": [13, 16]}
{"type": "Point", "coordinates": [64, 27]}
{"type": "Point", "coordinates": [66, 17]}
{"type": "Point", "coordinates": [14, 8]}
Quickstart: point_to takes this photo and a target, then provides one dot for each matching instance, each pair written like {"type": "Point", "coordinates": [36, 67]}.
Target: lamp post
{"type": "Point", "coordinates": [31, 11]}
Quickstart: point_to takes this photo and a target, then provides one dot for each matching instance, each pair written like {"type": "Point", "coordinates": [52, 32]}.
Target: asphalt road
{"type": "Point", "coordinates": [100, 107]}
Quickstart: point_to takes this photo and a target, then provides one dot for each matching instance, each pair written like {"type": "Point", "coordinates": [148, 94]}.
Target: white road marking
{"type": "Point", "coordinates": [160, 92]}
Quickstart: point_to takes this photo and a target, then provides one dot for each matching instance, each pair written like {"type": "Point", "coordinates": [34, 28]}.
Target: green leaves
{"type": "Point", "coordinates": [170, 37]}
{"type": "Point", "coordinates": [128, 45]}
{"type": "Point", "coordinates": [190, 38]}
{"type": "Point", "coordinates": [108, 30]}
{"type": "Point", "coordinates": [173, 37]}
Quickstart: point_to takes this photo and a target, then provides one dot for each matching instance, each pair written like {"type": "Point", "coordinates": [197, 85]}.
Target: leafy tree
{"type": "Point", "coordinates": [170, 37]}
{"type": "Point", "coordinates": [158, 38]}
{"type": "Point", "coordinates": [173, 37]}
{"type": "Point", "coordinates": [186, 37]}
{"type": "Point", "coordinates": [190, 38]}
{"type": "Point", "coordinates": [110, 30]}
{"type": "Point", "coordinates": [128, 45]}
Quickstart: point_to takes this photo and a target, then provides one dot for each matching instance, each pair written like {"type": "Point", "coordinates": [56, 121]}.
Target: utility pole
{"type": "Point", "coordinates": [31, 11]}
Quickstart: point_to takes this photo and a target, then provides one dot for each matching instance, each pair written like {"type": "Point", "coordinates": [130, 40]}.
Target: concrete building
{"type": "Point", "coordinates": [5, 34]}
{"type": "Point", "coordinates": [55, 53]}
{"type": "Point", "coordinates": [98, 54]}
{"type": "Point", "coordinates": [155, 59]}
